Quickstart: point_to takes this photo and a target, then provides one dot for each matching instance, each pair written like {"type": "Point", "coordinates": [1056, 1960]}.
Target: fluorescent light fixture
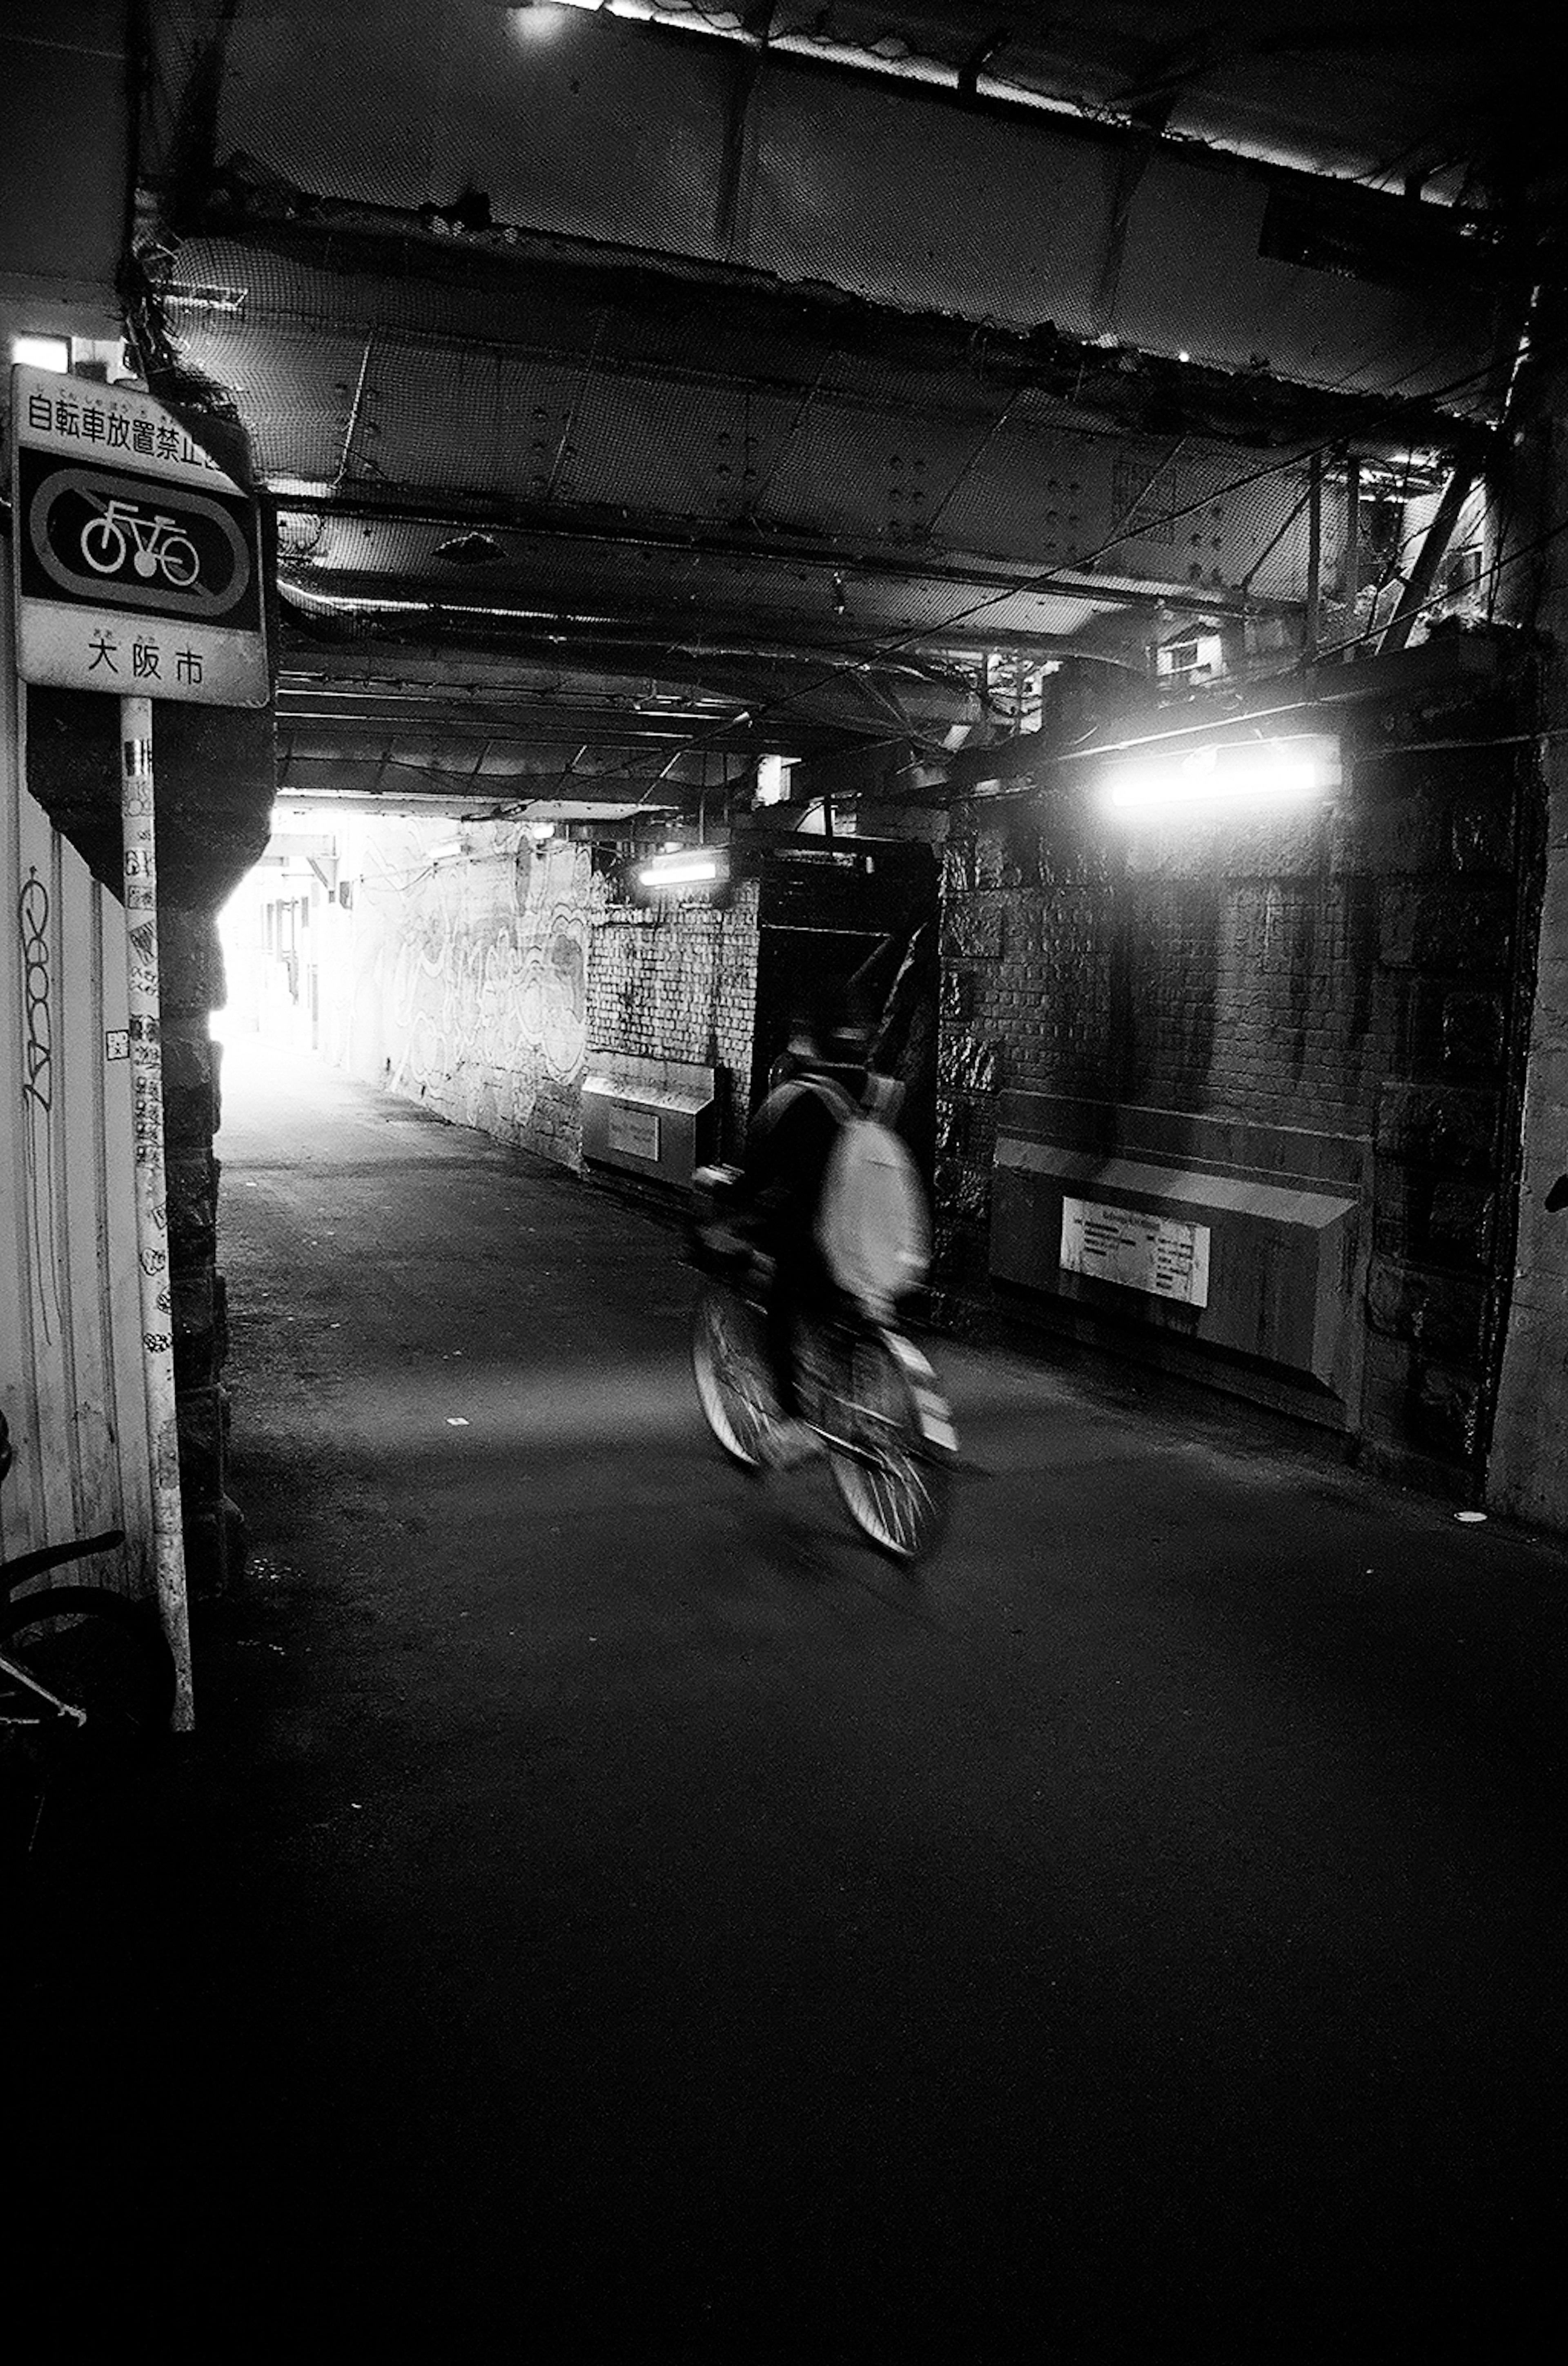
{"type": "Point", "coordinates": [693, 866]}
{"type": "Point", "coordinates": [1268, 771]}
{"type": "Point", "coordinates": [42, 352]}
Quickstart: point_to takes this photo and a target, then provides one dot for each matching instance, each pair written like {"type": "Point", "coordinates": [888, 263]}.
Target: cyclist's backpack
{"type": "Point", "coordinates": [871, 1223]}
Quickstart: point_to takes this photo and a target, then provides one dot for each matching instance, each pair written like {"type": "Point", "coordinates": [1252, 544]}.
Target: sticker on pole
{"type": "Point", "coordinates": [138, 562]}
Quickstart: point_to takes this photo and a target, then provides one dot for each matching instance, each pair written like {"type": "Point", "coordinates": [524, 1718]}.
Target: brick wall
{"type": "Point", "coordinates": [1355, 971]}
{"type": "Point", "coordinates": [677, 980]}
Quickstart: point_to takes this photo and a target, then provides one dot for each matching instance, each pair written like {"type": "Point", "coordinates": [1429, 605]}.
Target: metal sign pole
{"type": "Point", "coordinates": [138, 826]}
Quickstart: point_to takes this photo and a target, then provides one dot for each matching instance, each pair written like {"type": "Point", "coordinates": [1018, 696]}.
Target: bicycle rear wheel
{"type": "Point", "coordinates": [729, 1365]}
{"type": "Point", "coordinates": [895, 1479]}
{"type": "Point", "coordinates": [103, 1655]}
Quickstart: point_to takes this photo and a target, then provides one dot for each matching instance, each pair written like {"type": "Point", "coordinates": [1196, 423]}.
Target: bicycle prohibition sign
{"type": "Point", "coordinates": [150, 539]}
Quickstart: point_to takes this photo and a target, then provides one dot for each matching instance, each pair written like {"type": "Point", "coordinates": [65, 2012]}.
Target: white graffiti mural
{"type": "Point", "coordinates": [485, 989]}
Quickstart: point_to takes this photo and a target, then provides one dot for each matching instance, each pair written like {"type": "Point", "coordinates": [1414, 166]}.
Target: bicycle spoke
{"type": "Point", "coordinates": [893, 1484]}
{"type": "Point", "coordinates": [729, 1368]}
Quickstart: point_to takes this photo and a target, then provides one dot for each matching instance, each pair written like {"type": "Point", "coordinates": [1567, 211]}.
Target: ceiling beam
{"type": "Point", "coordinates": [369, 251]}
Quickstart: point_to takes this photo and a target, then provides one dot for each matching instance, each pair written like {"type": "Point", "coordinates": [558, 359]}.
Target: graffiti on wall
{"type": "Point", "coordinates": [38, 1097]}
{"type": "Point", "coordinates": [487, 1001]}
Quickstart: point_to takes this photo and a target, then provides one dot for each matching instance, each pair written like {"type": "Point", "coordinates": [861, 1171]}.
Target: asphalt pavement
{"type": "Point", "coordinates": [605, 1910]}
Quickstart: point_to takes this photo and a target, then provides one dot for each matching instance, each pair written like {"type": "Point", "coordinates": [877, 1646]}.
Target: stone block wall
{"type": "Point", "coordinates": [677, 980]}
{"type": "Point", "coordinates": [1355, 969]}
{"type": "Point", "coordinates": [1455, 966]}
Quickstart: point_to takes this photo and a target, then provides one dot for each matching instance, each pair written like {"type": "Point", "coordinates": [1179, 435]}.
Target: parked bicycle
{"type": "Point", "coordinates": [85, 1673]}
{"type": "Point", "coordinates": [866, 1391]}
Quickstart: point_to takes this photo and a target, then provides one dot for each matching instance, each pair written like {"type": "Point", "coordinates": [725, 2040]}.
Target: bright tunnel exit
{"type": "Point", "coordinates": [444, 959]}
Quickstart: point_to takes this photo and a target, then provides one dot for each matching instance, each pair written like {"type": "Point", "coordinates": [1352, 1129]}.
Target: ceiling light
{"type": "Point", "coordinates": [690, 866]}
{"type": "Point", "coordinates": [1268, 771]}
{"type": "Point", "coordinates": [41, 353]}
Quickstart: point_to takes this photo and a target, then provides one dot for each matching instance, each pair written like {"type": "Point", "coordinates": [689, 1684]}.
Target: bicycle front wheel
{"type": "Point", "coordinates": [105, 1672]}
{"type": "Point", "coordinates": [894, 1477]}
{"type": "Point", "coordinates": [729, 1365]}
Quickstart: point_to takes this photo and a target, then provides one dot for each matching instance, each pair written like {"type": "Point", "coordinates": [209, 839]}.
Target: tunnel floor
{"type": "Point", "coordinates": [603, 1908]}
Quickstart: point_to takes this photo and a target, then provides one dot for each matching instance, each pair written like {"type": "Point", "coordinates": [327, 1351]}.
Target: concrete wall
{"type": "Point", "coordinates": [1343, 985]}
{"type": "Point", "coordinates": [456, 975]}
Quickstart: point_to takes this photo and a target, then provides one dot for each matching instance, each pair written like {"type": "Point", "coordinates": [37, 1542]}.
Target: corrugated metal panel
{"type": "Point", "coordinates": [70, 1318]}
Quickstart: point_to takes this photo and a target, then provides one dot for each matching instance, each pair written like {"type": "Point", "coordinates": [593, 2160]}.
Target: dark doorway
{"type": "Point", "coordinates": [864, 912]}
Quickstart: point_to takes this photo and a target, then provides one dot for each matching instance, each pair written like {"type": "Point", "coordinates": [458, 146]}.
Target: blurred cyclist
{"type": "Point", "coordinates": [788, 1146]}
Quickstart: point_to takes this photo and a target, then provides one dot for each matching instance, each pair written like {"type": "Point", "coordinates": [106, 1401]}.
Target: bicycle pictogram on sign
{"type": "Point", "coordinates": [154, 545]}
{"type": "Point", "coordinates": [107, 537]}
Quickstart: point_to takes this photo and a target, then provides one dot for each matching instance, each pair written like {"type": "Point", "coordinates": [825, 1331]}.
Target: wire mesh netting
{"type": "Point", "coordinates": [461, 117]}
{"type": "Point", "coordinates": [471, 293]}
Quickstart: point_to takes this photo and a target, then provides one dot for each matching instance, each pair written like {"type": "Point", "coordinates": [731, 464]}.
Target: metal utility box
{"type": "Point", "coordinates": [1240, 1239]}
{"type": "Point", "coordinates": [653, 1118]}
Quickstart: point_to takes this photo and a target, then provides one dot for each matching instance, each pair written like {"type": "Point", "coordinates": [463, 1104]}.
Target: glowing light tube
{"type": "Point", "coordinates": [679, 870]}
{"type": "Point", "coordinates": [1278, 772]}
